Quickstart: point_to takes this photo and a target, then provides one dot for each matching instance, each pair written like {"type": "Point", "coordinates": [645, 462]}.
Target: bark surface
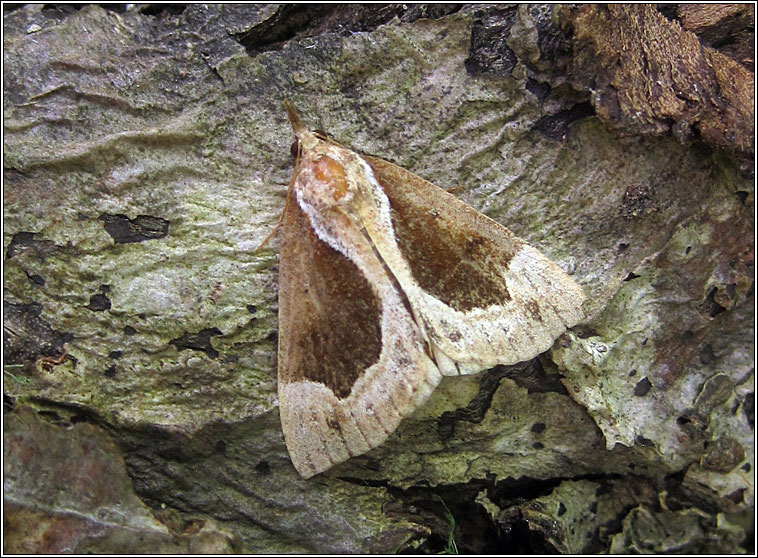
{"type": "Point", "coordinates": [147, 154]}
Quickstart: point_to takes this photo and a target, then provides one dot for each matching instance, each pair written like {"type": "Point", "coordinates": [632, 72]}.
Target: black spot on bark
{"type": "Point", "coordinates": [99, 302]}
{"type": "Point", "coordinates": [643, 387]}
{"type": "Point", "coordinates": [200, 341]}
{"type": "Point", "coordinates": [25, 242]}
{"type": "Point", "coordinates": [126, 231]}
{"type": "Point", "coordinates": [36, 279]}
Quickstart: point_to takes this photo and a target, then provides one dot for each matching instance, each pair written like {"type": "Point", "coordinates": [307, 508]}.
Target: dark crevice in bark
{"type": "Point", "coordinates": [292, 22]}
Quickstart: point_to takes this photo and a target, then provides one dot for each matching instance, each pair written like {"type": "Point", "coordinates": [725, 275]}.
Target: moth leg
{"type": "Point", "coordinates": [48, 363]}
{"type": "Point", "coordinates": [276, 227]}
{"type": "Point", "coordinates": [286, 202]}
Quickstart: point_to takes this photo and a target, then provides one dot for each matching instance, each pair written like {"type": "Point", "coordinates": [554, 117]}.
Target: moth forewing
{"type": "Point", "coordinates": [483, 295]}
{"type": "Point", "coordinates": [352, 362]}
{"type": "Point", "coordinates": [388, 282]}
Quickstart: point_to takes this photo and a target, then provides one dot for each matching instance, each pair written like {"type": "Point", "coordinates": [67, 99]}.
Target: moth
{"type": "Point", "coordinates": [386, 284]}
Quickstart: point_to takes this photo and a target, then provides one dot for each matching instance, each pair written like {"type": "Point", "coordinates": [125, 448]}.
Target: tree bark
{"type": "Point", "coordinates": [147, 154]}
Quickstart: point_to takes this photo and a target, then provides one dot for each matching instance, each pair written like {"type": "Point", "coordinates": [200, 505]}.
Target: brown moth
{"type": "Point", "coordinates": [386, 284]}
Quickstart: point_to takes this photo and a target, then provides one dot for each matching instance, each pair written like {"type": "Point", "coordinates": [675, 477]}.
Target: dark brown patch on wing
{"type": "Point", "coordinates": [329, 316]}
{"type": "Point", "coordinates": [452, 250]}
{"type": "Point", "coordinates": [534, 310]}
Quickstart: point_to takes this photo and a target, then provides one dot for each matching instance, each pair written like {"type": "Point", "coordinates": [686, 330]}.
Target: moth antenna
{"type": "Point", "coordinates": [290, 113]}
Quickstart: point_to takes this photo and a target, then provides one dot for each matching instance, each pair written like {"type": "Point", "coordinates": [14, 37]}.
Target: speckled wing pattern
{"type": "Point", "coordinates": [352, 363]}
{"type": "Point", "coordinates": [387, 283]}
{"type": "Point", "coordinates": [482, 295]}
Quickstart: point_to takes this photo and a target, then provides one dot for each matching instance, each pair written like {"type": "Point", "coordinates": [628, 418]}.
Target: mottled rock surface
{"type": "Point", "coordinates": [147, 154]}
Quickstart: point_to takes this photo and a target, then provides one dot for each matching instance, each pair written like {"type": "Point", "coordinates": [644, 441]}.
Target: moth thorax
{"type": "Point", "coordinates": [332, 175]}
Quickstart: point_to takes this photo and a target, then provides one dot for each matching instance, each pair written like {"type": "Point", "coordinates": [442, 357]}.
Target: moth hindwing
{"type": "Point", "coordinates": [387, 283]}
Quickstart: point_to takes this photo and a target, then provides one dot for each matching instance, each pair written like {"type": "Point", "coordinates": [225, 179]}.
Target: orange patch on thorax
{"type": "Point", "coordinates": [327, 170]}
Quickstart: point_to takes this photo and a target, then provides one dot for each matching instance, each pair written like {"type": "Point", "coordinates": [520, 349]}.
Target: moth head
{"type": "Point", "coordinates": [295, 147]}
{"type": "Point", "coordinates": [320, 163]}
